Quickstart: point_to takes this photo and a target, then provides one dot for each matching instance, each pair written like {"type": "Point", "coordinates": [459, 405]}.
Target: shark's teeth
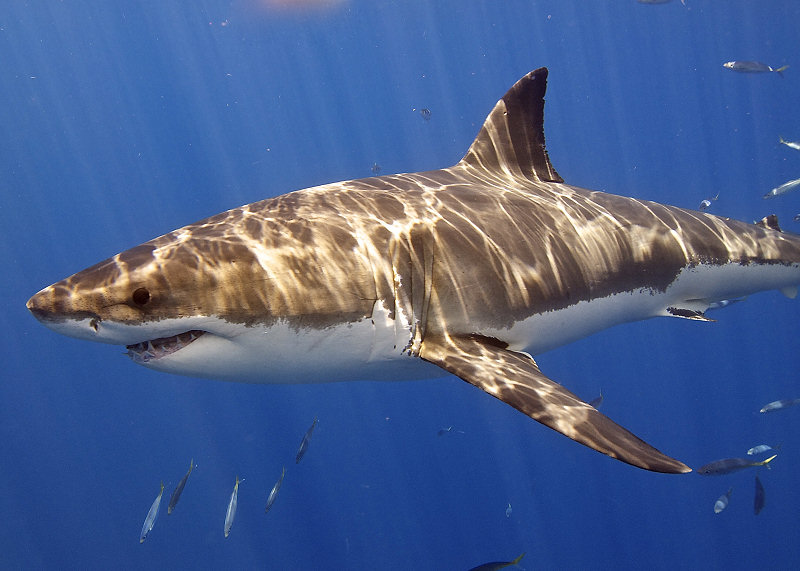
{"type": "Point", "coordinates": [158, 348]}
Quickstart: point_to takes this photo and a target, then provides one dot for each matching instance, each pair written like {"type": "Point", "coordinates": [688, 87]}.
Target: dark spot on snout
{"type": "Point", "coordinates": [141, 296]}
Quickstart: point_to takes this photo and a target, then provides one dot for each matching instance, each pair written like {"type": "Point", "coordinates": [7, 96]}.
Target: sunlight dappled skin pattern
{"type": "Point", "coordinates": [546, 247]}
{"type": "Point", "coordinates": [321, 255]}
{"type": "Point", "coordinates": [451, 259]}
{"type": "Point", "coordinates": [496, 245]}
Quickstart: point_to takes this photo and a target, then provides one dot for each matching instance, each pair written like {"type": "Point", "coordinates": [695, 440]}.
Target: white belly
{"type": "Point", "coordinates": [370, 349]}
{"type": "Point", "coordinates": [693, 289]}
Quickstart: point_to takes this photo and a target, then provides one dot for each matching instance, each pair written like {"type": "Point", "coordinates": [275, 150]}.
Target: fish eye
{"type": "Point", "coordinates": [141, 296]}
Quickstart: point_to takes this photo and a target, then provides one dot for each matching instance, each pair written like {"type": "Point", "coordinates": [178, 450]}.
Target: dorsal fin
{"type": "Point", "coordinates": [512, 137]}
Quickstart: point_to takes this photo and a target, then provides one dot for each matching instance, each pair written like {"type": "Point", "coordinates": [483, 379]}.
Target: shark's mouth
{"type": "Point", "coordinates": [157, 348]}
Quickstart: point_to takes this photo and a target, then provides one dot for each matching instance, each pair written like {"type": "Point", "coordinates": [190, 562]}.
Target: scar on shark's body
{"type": "Point", "coordinates": [470, 269]}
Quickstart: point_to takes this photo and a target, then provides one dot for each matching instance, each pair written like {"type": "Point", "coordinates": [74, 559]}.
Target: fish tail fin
{"type": "Point", "coordinates": [781, 69]}
{"type": "Point", "coordinates": [781, 139]}
{"type": "Point", "coordinates": [162, 486]}
{"type": "Point", "coordinates": [518, 559]}
{"type": "Point", "coordinates": [767, 461]}
{"type": "Point", "coordinates": [191, 464]}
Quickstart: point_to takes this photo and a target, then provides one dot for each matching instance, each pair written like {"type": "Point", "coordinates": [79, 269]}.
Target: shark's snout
{"type": "Point", "coordinates": [34, 305]}
{"type": "Point", "coordinates": [56, 310]}
{"type": "Point", "coordinates": [52, 304]}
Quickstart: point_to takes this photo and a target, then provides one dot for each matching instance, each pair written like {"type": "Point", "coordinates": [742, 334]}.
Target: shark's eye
{"type": "Point", "coordinates": [141, 296]}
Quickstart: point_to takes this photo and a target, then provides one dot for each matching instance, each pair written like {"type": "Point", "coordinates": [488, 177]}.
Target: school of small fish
{"type": "Point", "coordinates": [729, 465]}
{"type": "Point", "coordinates": [788, 186]}
{"type": "Point", "coordinates": [744, 66]}
{"type": "Point", "coordinates": [780, 190]}
{"type": "Point", "coordinates": [233, 502]}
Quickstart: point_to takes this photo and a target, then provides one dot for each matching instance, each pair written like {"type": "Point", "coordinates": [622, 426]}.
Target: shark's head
{"type": "Point", "coordinates": [210, 301]}
{"type": "Point", "coordinates": [157, 301]}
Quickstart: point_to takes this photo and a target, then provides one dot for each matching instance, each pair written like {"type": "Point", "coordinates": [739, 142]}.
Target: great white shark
{"type": "Point", "coordinates": [471, 269]}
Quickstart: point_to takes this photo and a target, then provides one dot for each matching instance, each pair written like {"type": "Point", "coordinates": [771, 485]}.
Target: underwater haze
{"type": "Point", "coordinates": [125, 120]}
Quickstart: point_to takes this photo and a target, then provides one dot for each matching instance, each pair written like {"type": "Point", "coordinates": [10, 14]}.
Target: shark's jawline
{"type": "Point", "coordinates": [153, 349]}
{"type": "Point", "coordinates": [470, 269]}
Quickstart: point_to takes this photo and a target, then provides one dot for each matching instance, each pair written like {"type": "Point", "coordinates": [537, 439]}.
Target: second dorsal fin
{"type": "Point", "coordinates": [770, 222]}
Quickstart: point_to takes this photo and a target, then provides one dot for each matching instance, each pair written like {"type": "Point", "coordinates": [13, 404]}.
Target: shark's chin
{"type": "Point", "coordinates": [154, 349]}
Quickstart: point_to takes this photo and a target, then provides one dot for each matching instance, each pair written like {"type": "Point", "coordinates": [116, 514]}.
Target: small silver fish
{"type": "Point", "coordinates": [722, 501]}
{"type": "Point", "coordinates": [724, 303]}
{"type": "Point", "coordinates": [790, 144]}
{"type": "Point", "coordinates": [779, 404]}
{"type": "Point", "coordinates": [232, 504]}
{"type": "Point", "coordinates": [784, 188]}
{"type": "Point", "coordinates": [753, 67]}
{"type": "Point", "coordinates": [759, 449]}
{"type": "Point", "coordinates": [508, 510]}
{"type": "Point", "coordinates": [274, 493]}
{"type": "Point", "coordinates": [176, 495]}
{"type": "Point", "coordinates": [705, 204]}
{"type": "Point", "coordinates": [150, 520]}
{"type": "Point", "coordinates": [304, 444]}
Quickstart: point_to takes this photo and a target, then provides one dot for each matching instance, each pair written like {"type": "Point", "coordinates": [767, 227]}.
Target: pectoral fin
{"type": "Point", "coordinates": [515, 379]}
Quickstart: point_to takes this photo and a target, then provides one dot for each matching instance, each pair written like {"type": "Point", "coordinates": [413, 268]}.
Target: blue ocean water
{"type": "Point", "coordinates": [122, 121]}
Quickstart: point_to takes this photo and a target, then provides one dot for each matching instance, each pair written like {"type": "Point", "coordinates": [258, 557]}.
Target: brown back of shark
{"type": "Point", "coordinates": [464, 253]}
